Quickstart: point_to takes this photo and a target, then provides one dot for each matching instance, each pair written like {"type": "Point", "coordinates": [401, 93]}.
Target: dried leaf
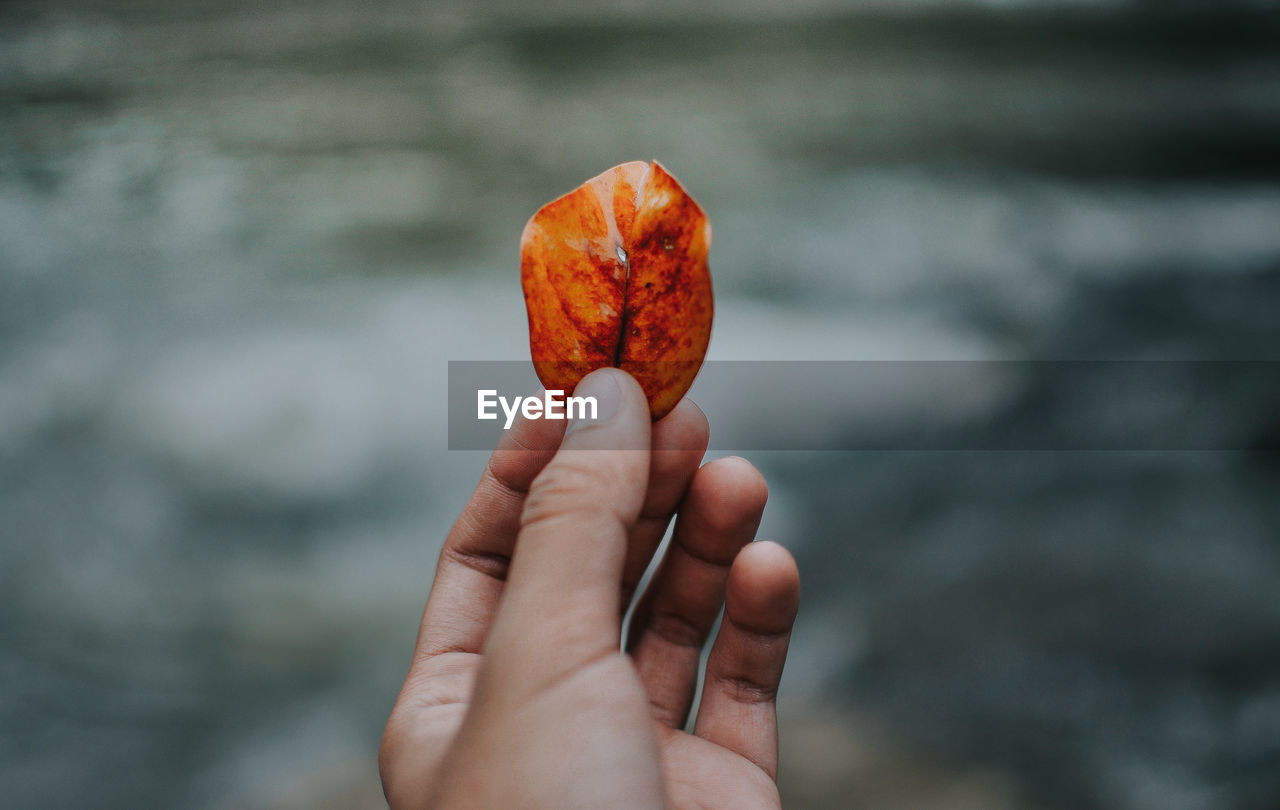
{"type": "Point", "coordinates": [615, 274]}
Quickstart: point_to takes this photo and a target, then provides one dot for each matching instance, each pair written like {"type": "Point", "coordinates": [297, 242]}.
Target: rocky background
{"type": "Point", "coordinates": [239, 241]}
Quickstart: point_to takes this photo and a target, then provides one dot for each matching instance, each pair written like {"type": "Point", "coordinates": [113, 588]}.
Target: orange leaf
{"type": "Point", "coordinates": [615, 274]}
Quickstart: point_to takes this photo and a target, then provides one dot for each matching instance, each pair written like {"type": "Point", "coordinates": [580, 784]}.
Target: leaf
{"type": "Point", "coordinates": [615, 274]}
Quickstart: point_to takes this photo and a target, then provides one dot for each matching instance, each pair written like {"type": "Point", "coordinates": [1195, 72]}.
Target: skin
{"type": "Point", "coordinates": [519, 694]}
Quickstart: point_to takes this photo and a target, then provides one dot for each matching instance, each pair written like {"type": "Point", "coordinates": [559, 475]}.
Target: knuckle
{"type": "Point", "coordinates": [747, 690]}
{"type": "Point", "coordinates": [678, 629]}
{"type": "Point", "coordinates": [491, 564]}
{"type": "Point", "coordinates": [570, 485]}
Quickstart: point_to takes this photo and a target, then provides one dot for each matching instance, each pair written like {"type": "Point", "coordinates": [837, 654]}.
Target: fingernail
{"type": "Point", "coordinates": [603, 389]}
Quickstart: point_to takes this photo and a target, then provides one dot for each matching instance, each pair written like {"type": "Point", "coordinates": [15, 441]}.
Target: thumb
{"type": "Point", "coordinates": [560, 606]}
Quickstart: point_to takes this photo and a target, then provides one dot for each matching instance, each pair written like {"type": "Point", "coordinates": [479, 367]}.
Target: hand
{"type": "Point", "coordinates": [519, 695]}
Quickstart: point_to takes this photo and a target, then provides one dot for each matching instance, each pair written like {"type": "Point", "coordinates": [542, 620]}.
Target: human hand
{"type": "Point", "coordinates": [519, 696]}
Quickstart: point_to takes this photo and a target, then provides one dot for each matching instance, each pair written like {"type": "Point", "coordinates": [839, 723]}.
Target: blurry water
{"type": "Point", "coordinates": [239, 242]}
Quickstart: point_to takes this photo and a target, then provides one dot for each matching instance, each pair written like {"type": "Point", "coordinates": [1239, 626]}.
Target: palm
{"type": "Point", "coordinates": [699, 774]}
{"type": "Point", "coordinates": [519, 696]}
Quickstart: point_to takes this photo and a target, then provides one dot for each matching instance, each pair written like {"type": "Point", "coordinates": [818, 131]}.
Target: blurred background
{"type": "Point", "coordinates": [239, 241]}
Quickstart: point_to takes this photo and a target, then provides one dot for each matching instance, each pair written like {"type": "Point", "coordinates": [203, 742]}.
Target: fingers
{"type": "Point", "coordinates": [738, 710]}
{"type": "Point", "coordinates": [719, 515]}
{"type": "Point", "coordinates": [473, 563]}
{"type": "Point", "coordinates": [679, 441]}
{"type": "Point", "coordinates": [560, 608]}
